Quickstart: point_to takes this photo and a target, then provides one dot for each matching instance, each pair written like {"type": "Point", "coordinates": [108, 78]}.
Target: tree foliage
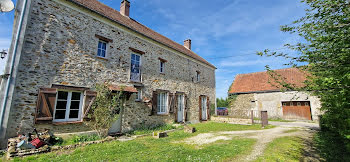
{"type": "Point", "coordinates": [222, 102]}
{"type": "Point", "coordinates": [326, 50]}
{"type": "Point", "coordinates": [105, 110]}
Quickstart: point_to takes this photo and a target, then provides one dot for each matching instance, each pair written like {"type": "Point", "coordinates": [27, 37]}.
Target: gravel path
{"type": "Point", "coordinates": [263, 137]}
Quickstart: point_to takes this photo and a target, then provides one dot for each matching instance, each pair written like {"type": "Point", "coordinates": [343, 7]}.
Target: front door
{"type": "Point", "coordinates": [204, 107]}
{"type": "Point", "coordinates": [180, 108]}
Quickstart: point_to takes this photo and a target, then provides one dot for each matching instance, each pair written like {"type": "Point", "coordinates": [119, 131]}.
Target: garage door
{"type": "Point", "coordinates": [296, 110]}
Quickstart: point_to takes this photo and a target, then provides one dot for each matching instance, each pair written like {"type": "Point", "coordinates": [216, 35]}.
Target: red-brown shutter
{"type": "Point", "coordinates": [200, 108]}
{"type": "Point", "coordinates": [45, 105]}
{"type": "Point", "coordinates": [185, 108]}
{"type": "Point", "coordinates": [154, 103]}
{"type": "Point", "coordinates": [171, 103]}
{"type": "Point", "coordinates": [208, 108]}
{"type": "Point", "coordinates": [89, 99]}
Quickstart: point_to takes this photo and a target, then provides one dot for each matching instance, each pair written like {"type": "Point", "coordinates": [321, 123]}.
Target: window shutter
{"type": "Point", "coordinates": [171, 103]}
{"type": "Point", "coordinates": [186, 108]}
{"type": "Point", "coordinates": [154, 103]}
{"type": "Point", "coordinates": [89, 99]}
{"type": "Point", "coordinates": [45, 104]}
{"type": "Point", "coordinates": [208, 108]}
{"type": "Point", "coordinates": [200, 108]}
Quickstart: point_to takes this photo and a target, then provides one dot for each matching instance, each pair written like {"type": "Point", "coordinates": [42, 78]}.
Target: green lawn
{"type": "Point", "coordinates": [166, 149]}
{"type": "Point", "coordinates": [283, 149]}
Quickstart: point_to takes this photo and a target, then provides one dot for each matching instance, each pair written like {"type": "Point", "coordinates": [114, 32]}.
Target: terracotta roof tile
{"type": "Point", "coordinates": [115, 15]}
{"type": "Point", "coordinates": [259, 82]}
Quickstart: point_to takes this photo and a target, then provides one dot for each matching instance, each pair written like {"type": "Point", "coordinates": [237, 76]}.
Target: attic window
{"type": "Point", "coordinates": [162, 65]}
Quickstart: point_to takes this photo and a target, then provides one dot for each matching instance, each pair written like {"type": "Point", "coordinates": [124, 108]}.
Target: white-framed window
{"type": "Point", "coordinates": [284, 103]}
{"type": "Point", "coordinates": [306, 104]}
{"type": "Point", "coordinates": [135, 72]}
{"type": "Point", "coordinates": [291, 104]}
{"type": "Point", "coordinates": [198, 77]}
{"type": "Point", "coordinates": [68, 106]}
{"type": "Point", "coordinates": [162, 103]}
{"type": "Point", "coordinates": [299, 104]}
{"type": "Point", "coordinates": [161, 66]}
{"type": "Point", "coordinates": [102, 49]}
{"type": "Point", "coordinates": [139, 94]}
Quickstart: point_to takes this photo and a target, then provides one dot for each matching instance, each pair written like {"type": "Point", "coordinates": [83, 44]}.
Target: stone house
{"type": "Point", "coordinates": [62, 48]}
{"type": "Point", "coordinates": [260, 91]}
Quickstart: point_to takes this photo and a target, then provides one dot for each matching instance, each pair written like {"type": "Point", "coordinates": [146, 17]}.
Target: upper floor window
{"type": "Point", "coordinates": [102, 48]}
{"type": "Point", "coordinates": [135, 72]}
{"type": "Point", "coordinates": [161, 66]}
{"type": "Point", "coordinates": [198, 77]}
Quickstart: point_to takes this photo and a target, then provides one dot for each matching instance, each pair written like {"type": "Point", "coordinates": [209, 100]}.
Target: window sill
{"type": "Point", "coordinates": [66, 123]}
{"type": "Point", "coordinates": [162, 73]}
{"type": "Point", "coordinates": [163, 114]}
{"type": "Point", "coordinates": [135, 82]}
{"type": "Point", "coordinates": [102, 58]}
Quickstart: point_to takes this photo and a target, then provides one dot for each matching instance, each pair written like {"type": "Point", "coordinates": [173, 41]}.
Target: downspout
{"type": "Point", "coordinates": [3, 107]}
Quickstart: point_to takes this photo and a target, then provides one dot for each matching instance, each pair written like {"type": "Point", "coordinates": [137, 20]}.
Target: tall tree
{"type": "Point", "coordinates": [326, 29]}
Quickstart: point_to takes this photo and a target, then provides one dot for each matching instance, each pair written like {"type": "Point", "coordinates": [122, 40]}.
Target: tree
{"type": "Point", "coordinates": [105, 110]}
{"type": "Point", "coordinates": [326, 50]}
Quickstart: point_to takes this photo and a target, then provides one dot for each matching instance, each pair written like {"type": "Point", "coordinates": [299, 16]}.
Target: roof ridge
{"type": "Point", "coordinates": [265, 71]}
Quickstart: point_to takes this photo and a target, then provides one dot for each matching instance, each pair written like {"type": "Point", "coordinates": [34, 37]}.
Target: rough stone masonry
{"type": "Point", "coordinates": [60, 47]}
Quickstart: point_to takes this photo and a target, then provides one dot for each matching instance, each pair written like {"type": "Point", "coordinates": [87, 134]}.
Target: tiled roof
{"type": "Point", "coordinates": [115, 15]}
{"type": "Point", "coordinates": [259, 82]}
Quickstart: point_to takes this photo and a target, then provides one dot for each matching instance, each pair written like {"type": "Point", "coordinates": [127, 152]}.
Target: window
{"type": "Point", "coordinates": [135, 74]}
{"type": "Point", "coordinates": [198, 76]}
{"type": "Point", "coordinates": [139, 95]}
{"type": "Point", "coordinates": [161, 66]}
{"type": "Point", "coordinates": [299, 104]}
{"type": "Point", "coordinates": [102, 48]}
{"type": "Point", "coordinates": [306, 104]}
{"type": "Point", "coordinates": [291, 103]}
{"type": "Point", "coordinates": [68, 106]}
{"type": "Point", "coordinates": [162, 103]}
{"type": "Point", "coordinates": [284, 103]}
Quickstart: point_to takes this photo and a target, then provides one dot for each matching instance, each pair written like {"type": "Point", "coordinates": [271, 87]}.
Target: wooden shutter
{"type": "Point", "coordinates": [89, 99]}
{"type": "Point", "coordinates": [200, 108]}
{"type": "Point", "coordinates": [171, 103]}
{"type": "Point", "coordinates": [154, 103]}
{"type": "Point", "coordinates": [208, 108]}
{"type": "Point", "coordinates": [45, 106]}
{"type": "Point", "coordinates": [185, 108]}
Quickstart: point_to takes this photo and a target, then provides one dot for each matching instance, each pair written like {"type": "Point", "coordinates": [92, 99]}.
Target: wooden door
{"type": "Point", "coordinates": [299, 110]}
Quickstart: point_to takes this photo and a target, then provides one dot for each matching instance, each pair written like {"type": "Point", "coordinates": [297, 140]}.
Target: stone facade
{"type": "Point", "coordinates": [272, 102]}
{"type": "Point", "coordinates": [60, 47]}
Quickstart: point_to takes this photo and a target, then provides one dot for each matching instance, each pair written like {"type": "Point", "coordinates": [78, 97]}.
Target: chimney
{"type": "Point", "coordinates": [187, 44]}
{"type": "Point", "coordinates": [125, 8]}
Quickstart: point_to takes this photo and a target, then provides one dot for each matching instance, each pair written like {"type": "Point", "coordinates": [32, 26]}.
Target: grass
{"type": "Point", "coordinates": [283, 149]}
{"type": "Point", "coordinates": [148, 130]}
{"type": "Point", "coordinates": [77, 139]}
{"type": "Point", "coordinates": [281, 120]}
{"type": "Point", "coordinates": [165, 149]}
{"type": "Point", "coordinates": [217, 127]}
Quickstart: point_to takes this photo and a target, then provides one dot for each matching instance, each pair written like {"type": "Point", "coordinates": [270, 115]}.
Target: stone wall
{"type": "Point", "coordinates": [272, 102]}
{"type": "Point", "coordinates": [60, 48]}
{"type": "Point", "coordinates": [240, 107]}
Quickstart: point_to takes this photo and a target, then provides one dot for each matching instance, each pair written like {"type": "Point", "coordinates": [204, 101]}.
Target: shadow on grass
{"type": "Point", "coordinates": [331, 147]}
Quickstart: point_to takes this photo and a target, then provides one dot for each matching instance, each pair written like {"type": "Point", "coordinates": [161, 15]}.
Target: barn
{"type": "Point", "coordinates": [260, 91]}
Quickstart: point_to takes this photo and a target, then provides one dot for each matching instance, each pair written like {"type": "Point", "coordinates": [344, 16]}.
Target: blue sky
{"type": "Point", "coordinates": [225, 32]}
